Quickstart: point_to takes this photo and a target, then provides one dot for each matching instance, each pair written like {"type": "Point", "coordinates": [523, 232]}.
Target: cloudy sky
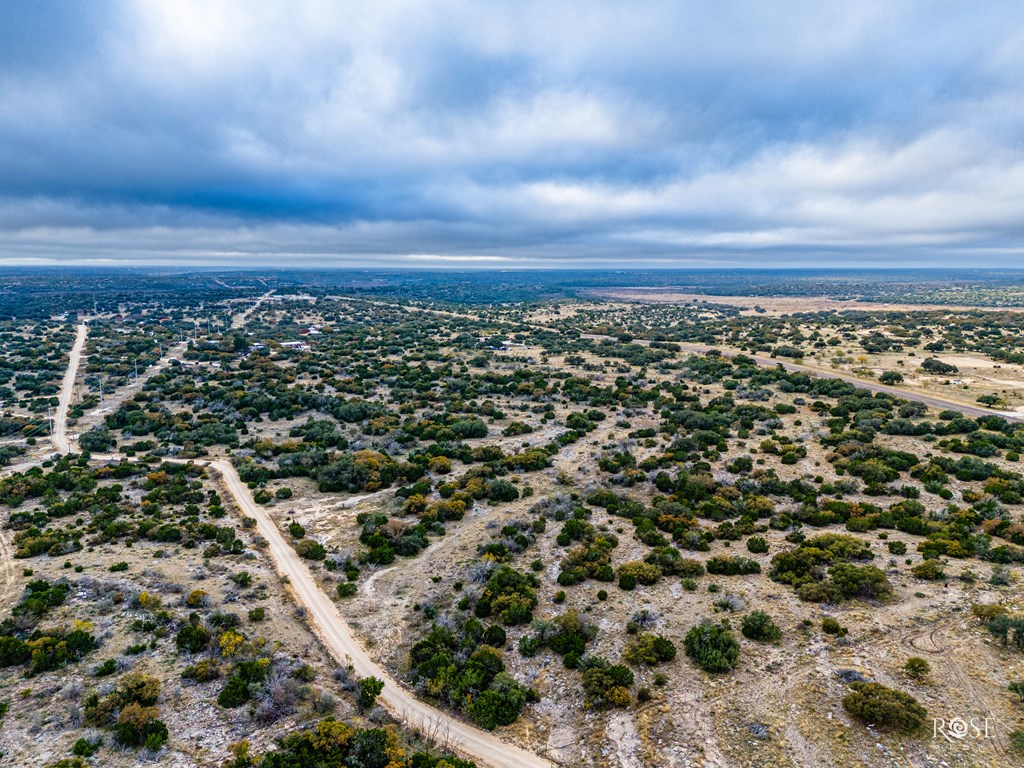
{"type": "Point", "coordinates": [689, 134]}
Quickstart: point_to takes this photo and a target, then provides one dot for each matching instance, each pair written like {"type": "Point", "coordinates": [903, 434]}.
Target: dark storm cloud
{"type": "Point", "coordinates": [527, 133]}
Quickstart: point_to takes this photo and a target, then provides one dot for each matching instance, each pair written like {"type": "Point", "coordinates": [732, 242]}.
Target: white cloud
{"type": "Point", "coordinates": [462, 131]}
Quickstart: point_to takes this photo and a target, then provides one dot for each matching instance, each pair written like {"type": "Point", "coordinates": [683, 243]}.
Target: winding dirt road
{"type": "Point", "coordinates": [59, 436]}
{"type": "Point", "coordinates": [464, 739]}
{"type": "Point", "coordinates": [471, 742]}
{"type": "Point", "coordinates": [457, 736]}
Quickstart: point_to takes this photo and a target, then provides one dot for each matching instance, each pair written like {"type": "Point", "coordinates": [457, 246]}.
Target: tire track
{"type": "Point", "coordinates": [930, 642]}
{"type": "Point", "coordinates": [9, 589]}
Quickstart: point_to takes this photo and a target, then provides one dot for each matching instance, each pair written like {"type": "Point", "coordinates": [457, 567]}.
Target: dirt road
{"type": "Point", "coordinates": [473, 743]}
{"type": "Point", "coordinates": [470, 742]}
{"type": "Point", "coordinates": [476, 744]}
{"type": "Point", "coordinates": [933, 401]}
{"type": "Point", "coordinates": [481, 746]}
{"type": "Point", "coordinates": [59, 436]}
{"type": "Point", "coordinates": [241, 318]}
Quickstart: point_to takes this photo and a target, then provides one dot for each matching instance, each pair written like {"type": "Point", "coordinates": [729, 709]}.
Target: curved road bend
{"type": "Point", "coordinates": [474, 743]}
{"type": "Point", "coordinates": [59, 436]}
{"type": "Point", "coordinates": [462, 738]}
{"type": "Point", "coordinates": [467, 740]}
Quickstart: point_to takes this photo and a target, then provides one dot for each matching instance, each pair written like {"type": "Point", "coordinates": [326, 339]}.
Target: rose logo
{"type": "Point", "coordinates": [957, 728]}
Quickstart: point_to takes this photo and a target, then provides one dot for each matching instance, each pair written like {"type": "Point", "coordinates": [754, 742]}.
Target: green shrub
{"type": "Point", "coordinates": [192, 638]}
{"type": "Point", "coordinates": [234, 693]}
{"type": "Point", "coordinates": [757, 544]}
{"type": "Point", "coordinates": [606, 685]}
{"type": "Point", "coordinates": [640, 571]}
{"type": "Point", "coordinates": [917, 668]}
{"type": "Point", "coordinates": [929, 570]}
{"type": "Point", "coordinates": [758, 625]}
{"type": "Point", "coordinates": [13, 651]}
{"type": "Point", "coordinates": [202, 672]}
{"type": "Point", "coordinates": [831, 626]}
{"type": "Point", "coordinates": [727, 565]}
{"type": "Point", "coordinates": [897, 548]}
{"type": "Point", "coordinates": [310, 550]}
{"type": "Point", "coordinates": [369, 690]}
{"type": "Point", "coordinates": [500, 704]}
{"type": "Point", "coordinates": [875, 704]}
{"type": "Point", "coordinates": [346, 589]}
{"type": "Point", "coordinates": [649, 650]}
{"type": "Point", "coordinates": [712, 647]}
{"type": "Point", "coordinates": [1017, 741]}
{"type": "Point", "coordinates": [86, 747]}
{"type": "Point", "coordinates": [139, 726]}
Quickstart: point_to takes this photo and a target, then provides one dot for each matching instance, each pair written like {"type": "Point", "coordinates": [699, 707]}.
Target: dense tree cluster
{"type": "Point", "coordinates": [457, 664]}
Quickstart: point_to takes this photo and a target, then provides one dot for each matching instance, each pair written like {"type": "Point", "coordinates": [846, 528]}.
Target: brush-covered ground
{"type": "Point", "coordinates": [553, 521]}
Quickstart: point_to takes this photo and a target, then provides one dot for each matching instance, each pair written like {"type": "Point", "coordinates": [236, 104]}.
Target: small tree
{"type": "Point", "coordinates": [648, 649]}
{"type": "Point", "coordinates": [712, 647]}
{"type": "Point", "coordinates": [369, 690]}
{"type": "Point", "coordinates": [310, 550]}
{"type": "Point", "coordinates": [917, 668]}
{"type": "Point", "coordinates": [758, 625]}
{"type": "Point", "coordinates": [757, 544]}
{"type": "Point", "coordinates": [929, 570]}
